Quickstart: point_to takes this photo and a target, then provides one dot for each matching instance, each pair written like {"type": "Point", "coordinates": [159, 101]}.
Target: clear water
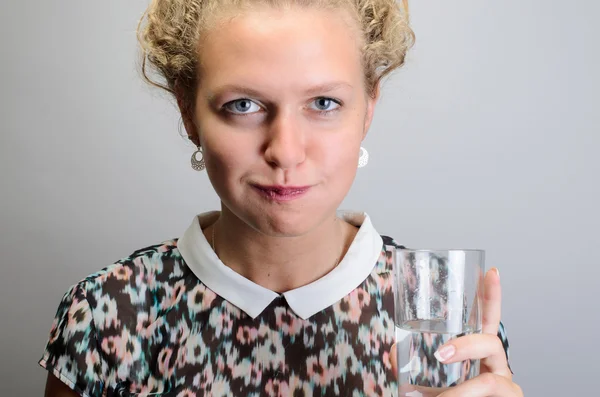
{"type": "Point", "coordinates": [421, 374]}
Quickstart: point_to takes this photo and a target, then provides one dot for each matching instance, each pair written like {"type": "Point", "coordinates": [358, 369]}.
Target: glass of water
{"type": "Point", "coordinates": [438, 297]}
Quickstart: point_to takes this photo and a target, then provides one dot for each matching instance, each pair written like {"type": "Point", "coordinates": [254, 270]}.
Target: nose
{"type": "Point", "coordinates": [285, 147]}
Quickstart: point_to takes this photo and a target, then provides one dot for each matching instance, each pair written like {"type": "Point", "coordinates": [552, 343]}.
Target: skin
{"type": "Point", "coordinates": [298, 75]}
{"type": "Point", "coordinates": [55, 388]}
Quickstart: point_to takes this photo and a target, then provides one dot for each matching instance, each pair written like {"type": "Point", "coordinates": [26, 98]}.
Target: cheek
{"type": "Point", "coordinates": [340, 152]}
{"type": "Point", "coordinates": [225, 161]}
{"type": "Point", "coordinates": [341, 156]}
{"type": "Point", "coordinates": [338, 163]}
{"type": "Point", "coordinates": [225, 167]}
{"type": "Point", "coordinates": [227, 151]}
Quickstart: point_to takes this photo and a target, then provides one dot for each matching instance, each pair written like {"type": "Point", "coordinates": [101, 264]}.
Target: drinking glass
{"type": "Point", "coordinates": [438, 297]}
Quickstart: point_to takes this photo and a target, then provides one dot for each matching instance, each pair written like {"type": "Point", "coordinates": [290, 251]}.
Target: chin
{"type": "Point", "coordinates": [282, 222]}
{"type": "Point", "coordinates": [285, 223]}
{"type": "Point", "coordinates": [294, 218]}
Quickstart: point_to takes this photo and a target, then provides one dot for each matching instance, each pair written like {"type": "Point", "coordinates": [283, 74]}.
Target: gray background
{"type": "Point", "coordinates": [488, 138]}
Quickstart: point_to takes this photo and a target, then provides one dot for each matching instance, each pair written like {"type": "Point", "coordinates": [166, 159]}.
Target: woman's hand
{"type": "Point", "coordinates": [495, 379]}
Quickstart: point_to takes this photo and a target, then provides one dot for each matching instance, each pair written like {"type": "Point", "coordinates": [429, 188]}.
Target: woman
{"type": "Point", "coordinates": [278, 293]}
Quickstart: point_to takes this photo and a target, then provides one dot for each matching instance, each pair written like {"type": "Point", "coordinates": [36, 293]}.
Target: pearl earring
{"type": "Point", "coordinates": [363, 159]}
{"type": "Point", "coordinates": [198, 165]}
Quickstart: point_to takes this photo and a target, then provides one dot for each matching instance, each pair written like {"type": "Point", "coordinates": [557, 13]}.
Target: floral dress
{"type": "Point", "coordinates": [172, 320]}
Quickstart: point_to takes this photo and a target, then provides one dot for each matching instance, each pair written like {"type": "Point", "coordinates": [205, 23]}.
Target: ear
{"type": "Point", "coordinates": [372, 100]}
{"type": "Point", "coordinates": [187, 116]}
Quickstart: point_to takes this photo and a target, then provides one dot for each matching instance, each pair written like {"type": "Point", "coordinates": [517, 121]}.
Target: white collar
{"type": "Point", "coordinates": [305, 301]}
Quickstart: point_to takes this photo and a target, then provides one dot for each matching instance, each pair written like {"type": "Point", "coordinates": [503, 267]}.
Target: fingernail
{"type": "Point", "coordinates": [497, 272]}
{"type": "Point", "coordinates": [445, 353]}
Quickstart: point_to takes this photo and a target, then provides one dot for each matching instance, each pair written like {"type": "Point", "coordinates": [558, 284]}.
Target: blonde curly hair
{"type": "Point", "coordinates": [169, 34]}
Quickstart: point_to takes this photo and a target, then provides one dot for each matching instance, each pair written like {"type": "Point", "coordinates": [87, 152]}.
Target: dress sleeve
{"type": "Point", "coordinates": [72, 353]}
{"type": "Point", "coordinates": [504, 339]}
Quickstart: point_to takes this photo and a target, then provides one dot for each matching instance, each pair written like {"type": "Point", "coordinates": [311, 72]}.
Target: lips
{"type": "Point", "coordinates": [282, 193]}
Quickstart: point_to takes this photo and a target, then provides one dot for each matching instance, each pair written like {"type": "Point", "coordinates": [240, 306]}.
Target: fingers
{"type": "Point", "coordinates": [420, 391]}
{"type": "Point", "coordinates": [487, 348]}
{"type": "Point", "coordinates": [485, 385]}
{"type": "Point", "coordinates": [492, 302]}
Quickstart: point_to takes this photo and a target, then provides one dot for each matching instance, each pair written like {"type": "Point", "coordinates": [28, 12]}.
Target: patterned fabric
{"type": "Point", "coordinates": [148, 326]}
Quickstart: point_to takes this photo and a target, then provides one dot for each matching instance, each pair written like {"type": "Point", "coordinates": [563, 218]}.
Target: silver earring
{"type": "Point", "coordinates": [198, 165]}
{"type": "Point", "coordinates": [363, 159]}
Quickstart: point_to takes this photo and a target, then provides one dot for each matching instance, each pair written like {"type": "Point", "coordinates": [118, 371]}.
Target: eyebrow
{"type": "Point", "coordinates": [327, 87]}
{"type": "Point", "coordinates": [241, 89]}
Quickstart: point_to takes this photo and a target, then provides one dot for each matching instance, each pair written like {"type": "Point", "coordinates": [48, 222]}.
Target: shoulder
{"type": "Point", "coordinates": [97, 318]}
{"type": "Point", "coordinates": [143, 280]}
{"type": "Point", "coordinates": [158, 261]}
{"type": "Point", "coordinates": [390, 242]}
{"type": "Point", "coordinates": [385, 263]}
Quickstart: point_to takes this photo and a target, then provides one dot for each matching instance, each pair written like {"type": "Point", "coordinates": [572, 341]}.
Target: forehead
{"type": "Point", "coordinates": [282, 48]}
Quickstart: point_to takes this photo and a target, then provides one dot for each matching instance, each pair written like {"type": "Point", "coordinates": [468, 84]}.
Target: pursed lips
{"type": "Point", "coordinates": [282, 193]}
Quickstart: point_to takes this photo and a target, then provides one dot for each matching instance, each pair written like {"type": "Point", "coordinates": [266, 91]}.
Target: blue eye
{"type": "Point", "coordinates": [325, 105]}
{"type": "Point", "coordinates": [242, 106]}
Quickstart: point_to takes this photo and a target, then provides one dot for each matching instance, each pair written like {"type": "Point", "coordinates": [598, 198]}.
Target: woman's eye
{"type": "Point", "coordinates": [325, 104]}
{"type": "Point", "coordinates": [242, 106]}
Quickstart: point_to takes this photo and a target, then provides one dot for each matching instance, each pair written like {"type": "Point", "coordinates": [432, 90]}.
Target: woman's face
{"type": "Point", "coordinates": [281, 110]}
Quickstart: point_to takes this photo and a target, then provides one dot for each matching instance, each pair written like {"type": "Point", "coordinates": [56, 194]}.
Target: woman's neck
{"type": "Point", "coordinates": [279, 263]}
